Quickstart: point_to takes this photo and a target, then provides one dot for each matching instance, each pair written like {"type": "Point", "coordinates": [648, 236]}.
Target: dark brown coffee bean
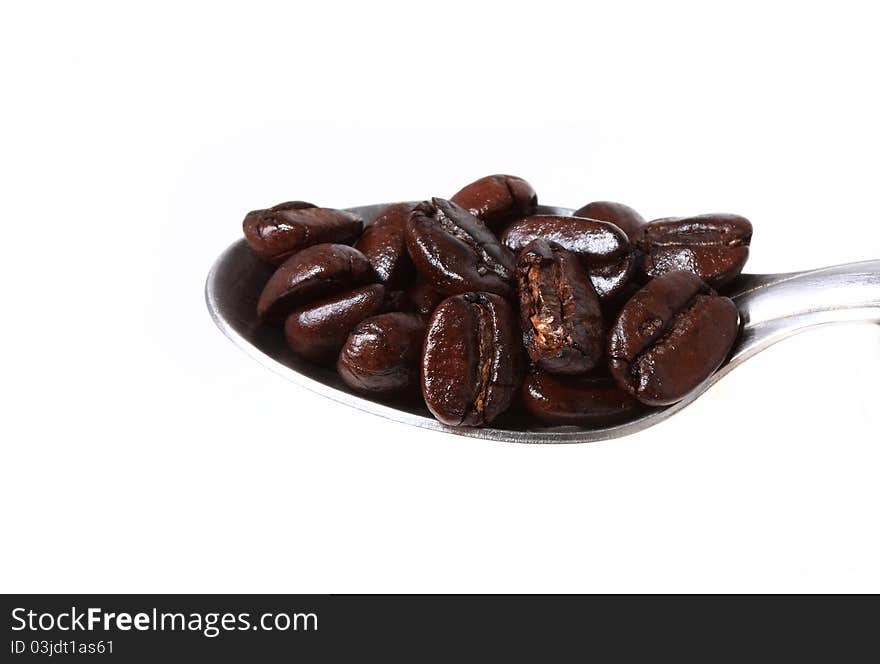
{"type": "Point", "coordinates": [455, 252]}
{"type": "Point", "coordinates": [497, 199]}
{"type": "Point", "coordinates": [472, 362]}
{"type": "Point", "coordinates": [424, 297]}
{"type": "Point", "coordinates": [278, 232]}
{"type": "Point", "coordinates": [381, 356]}
{"type": "Point", "coordinates": [312, 273]}
{"type": "Point", "coordinates": [562, 324]}
{"type": "Point", "coordinates": [671, 336]}
{"type": "Point", "coordinates": [318, 330]}
{"type": "Point", "coordinates": [584, 401]}
{"type": "Point", "coordinates": [715, 247]}
{"type": "Point", "coordinates": [622, 216]}
{"type": "Point", "coordinates": [384, 243]}
{"type": "Point", "coordinates": [602, 247]}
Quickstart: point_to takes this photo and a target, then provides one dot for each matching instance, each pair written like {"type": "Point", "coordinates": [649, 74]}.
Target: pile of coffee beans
{"type": "Point", "coordinates": [479, 305]}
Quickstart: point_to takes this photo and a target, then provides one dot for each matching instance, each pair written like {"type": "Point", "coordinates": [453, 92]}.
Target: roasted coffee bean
{"type": "Point", "coordinates": [472, 361]}
{"type": "Point", "coordinates": [318, 330]}
{"type": "Point", "coordinates": [622, 216]}
{"type": "Point", "coordinates": [384, 243]}
{"type": "Point", "coordinates": [601, 246]}
{"type": "Point", "coordinates": [497, 199]}
{"type": "Point", "coordinates": [671, 336]}
{"type": "Point", "coordinates": [278, 232]}
{"type": "Point", "coordinates": [381, 356]}
{"type": "Point", "coordinates": [715, 247]}
{"type": "Point", "coordinates": [584, 401]}
{"type": "Point", "coordinates": [314, 272]}
{"type": "Point", "coordinates": [424, 297]}
{"type": "Point", "coordinates": [455, 252]}
{"type": "Point", "coordinates": [562, 324]}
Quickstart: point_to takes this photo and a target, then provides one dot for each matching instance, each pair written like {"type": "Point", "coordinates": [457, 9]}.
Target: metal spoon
{"type": "Point", "coordinates": [772, 307]}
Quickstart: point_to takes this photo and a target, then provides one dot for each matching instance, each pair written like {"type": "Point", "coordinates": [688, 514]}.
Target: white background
{"type": "Point", "coordinates": [142, 451]}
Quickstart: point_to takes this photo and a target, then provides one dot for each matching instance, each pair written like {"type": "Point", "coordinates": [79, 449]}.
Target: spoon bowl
{"type": "Point", "coordinates": [772, 307]}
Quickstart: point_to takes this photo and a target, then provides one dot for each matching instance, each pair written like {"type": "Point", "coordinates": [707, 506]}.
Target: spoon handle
{"type": "Point", "coordinates": [773, 307]}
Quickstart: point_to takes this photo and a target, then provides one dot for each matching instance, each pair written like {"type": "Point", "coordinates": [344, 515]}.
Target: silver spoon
{"type": "Point", "coordinates": [772, 307]}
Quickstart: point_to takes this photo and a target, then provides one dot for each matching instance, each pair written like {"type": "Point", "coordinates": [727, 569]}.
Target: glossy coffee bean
{"type": "Point", "coordinates": [312, 273]}
{"type": "Point", "coordinates": [602, 247]}
{"type": "Point", "coordinates": [715, 247]}
{"type": "Point", "coordinates": [383, 242]}
{"type": "Point", "coordinates": [622, 216]}
{"type": "Point", "coordinates": [455, 252]}
{"type": "Point", "coordinates": [318, 330]}
{"type": "Point", "coordinates": [472, 361]}
{"type": "Point", "coordinates": [497, 199]}
{"type": "Point", "coordinates": [669, 337]}
{"type": "Point", "coordinates": [424, 297]}
{"type": "Point", "coordinates": [563, 330]}
{"type": "Point", "coordinates": [382, 355]}
{"type": "Point", "coordinates": [278, 232]}
{"type": "Point", "coordinates": [584, 401]}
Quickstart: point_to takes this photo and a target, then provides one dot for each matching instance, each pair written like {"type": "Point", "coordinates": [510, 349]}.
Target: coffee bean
{"type": "Point", "coordinates": [455, 252]}
{"type": "Point", "coordinates": [669, 337]}
{"type": "Point", "coordinates": [584, 401]}
{"type": "Point", "coordinates": [562, 324]}
{"type": "Point", "coordinates": [497, 199]}
{"type": "Point", "coordinates": [278, 232]}
{"type": "Point", "coordinates": [314, 272]}
{"type": "Point", "coordinates": [472, 361]}
{"type": "Point", "coordinates": [602, 247]}
{"type": "Point", "coordinates": [318, 330]}
{"type": "Point", "coordinates": [622, 216]}
{"type": "Point", "coordinates": [715, 247]}
{"type": "Point", "coordinates": [382, 353]}
{"type": "Point", "coordinates": [384, 243]}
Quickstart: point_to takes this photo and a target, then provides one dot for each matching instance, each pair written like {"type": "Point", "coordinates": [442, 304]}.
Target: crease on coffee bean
{"type": "Point", "coordinates": [533, 199]}
{"type": "Point", "coordinates": [661, 339]}
{"type": "Point", "coordinates": [450, 226]}
{"type": "Point", "coordinates": [736, 242]}
{"type": "Point", "coordinates": [485, 361]}
{"type": "Point", "coordinates": [558, 338]}
{"type": "Point", "coordinates": [691, 238]}
{"type": "Point", "coordinates": [546, 335]}
{"type": "Point", "coordinates": [510, 193]}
